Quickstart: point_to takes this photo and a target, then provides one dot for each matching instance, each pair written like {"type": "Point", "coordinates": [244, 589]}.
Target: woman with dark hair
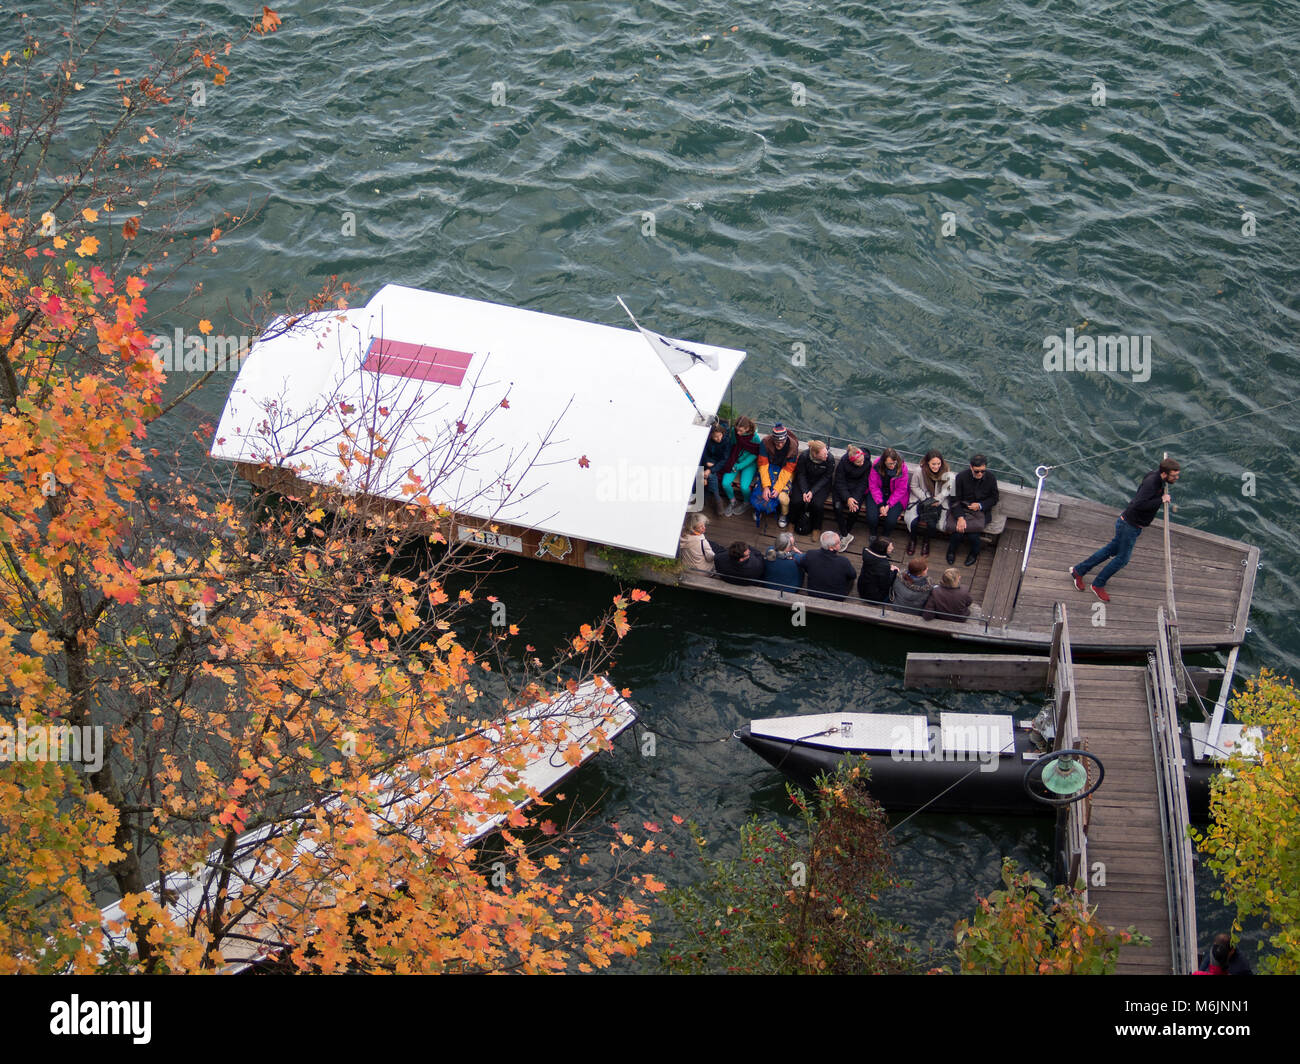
{"type": "Point", "coordinates": [931, 486]}
{"type": "Point", "coordinates": [887, 487]}
{"type": "Point", "coordinates": [716, 451]}
{"type": "Point", "coordinates": [736, 474]}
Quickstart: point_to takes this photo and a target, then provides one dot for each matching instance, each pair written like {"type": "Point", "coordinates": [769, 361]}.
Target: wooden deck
{"type": "Point", "coordinates": [1214, 580]}
{"type": "Point", "coordinates": [1124, 833]}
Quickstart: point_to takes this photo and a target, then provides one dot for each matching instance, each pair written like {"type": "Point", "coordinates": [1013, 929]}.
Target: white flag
{"type": "Point", "coordinates": [677, 356]}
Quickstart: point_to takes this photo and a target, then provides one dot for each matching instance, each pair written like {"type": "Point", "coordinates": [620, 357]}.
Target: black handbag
{"type": "Point", "coordinates": [930, 511]}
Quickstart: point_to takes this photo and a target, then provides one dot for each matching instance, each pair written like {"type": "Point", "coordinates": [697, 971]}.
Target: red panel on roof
{"type": "Point", "coordinates": [417, 361]}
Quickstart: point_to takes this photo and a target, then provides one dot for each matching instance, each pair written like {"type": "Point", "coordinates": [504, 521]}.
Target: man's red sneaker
{"type": "Point", "coordinates": [1100, 592]}
{"type": "Point", "coordinates": [1078, 580]}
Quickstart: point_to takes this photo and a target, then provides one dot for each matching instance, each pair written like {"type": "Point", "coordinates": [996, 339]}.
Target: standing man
{"type": "Point", "coordinates": [1128, 526]}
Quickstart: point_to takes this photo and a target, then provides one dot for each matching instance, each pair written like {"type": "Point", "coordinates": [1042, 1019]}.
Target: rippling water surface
{"type": "Point", "coordinates": [800, 161]}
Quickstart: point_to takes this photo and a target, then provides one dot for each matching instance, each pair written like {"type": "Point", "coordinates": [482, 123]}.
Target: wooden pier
{"type": "Point", "coordinates": [1126, 845]}
{"type": "Point", "coordinates": [1215, 577]}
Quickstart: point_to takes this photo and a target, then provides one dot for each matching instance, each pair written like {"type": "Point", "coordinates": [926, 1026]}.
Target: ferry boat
{"type": "Point", "coordinates": [578, 444]}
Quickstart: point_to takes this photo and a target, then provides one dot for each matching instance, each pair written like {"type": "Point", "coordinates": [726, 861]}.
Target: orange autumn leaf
{"type": "Point", "coordinates": [88, 246]}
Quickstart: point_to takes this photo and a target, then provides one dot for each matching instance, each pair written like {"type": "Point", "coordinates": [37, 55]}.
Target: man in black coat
{"type": "Point", "coordinates": [812, 487]}
{"type": "Point", "coordinates": [739, 565]}
{"type": "Point", "coordinates": [830, 574]}
{"type": "Point", "coordinates": [973, 499]}
{"type": "Point", "coordinates": [877, 576]}
{"type": "Point", "coordinates": [1141, 511]}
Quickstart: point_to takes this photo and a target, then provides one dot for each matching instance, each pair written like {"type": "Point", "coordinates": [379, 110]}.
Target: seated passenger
{"type": "Point", "coordinates": [738, 564]}
{"type": "Point", "coordinates": [950, 601]}
{"type": "Point", "coordinates": [877, 576]}
{"type": "Point", "coordinates": [782, 560]}
{"type": "Point", "coordinates": [830, 574]}
{"type": "Point", "coordinates": [912, 588]}
{"type": "Point", "coordinates": [695, 551]}
{"type": "Point", "coordinates": [776, 459]}
{"type": "Point", "coordinates": [716, 451]}
{"type": "Point", "coordinates": [887, 487]}
{"type": "Point", "coordinates": [812, 487]}
{"type": "Point", "coordinates": [850, 488]}
{"type": "Point", "coordinates": [929, 491]}
{"type": "Point", "coordinates": [973, 499]}
{"type": "Point", "coordinates": [736, 474]}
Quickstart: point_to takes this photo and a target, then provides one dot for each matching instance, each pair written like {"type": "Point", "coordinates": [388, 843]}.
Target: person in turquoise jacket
{"type": "Point", "coordinates": [738, 471]}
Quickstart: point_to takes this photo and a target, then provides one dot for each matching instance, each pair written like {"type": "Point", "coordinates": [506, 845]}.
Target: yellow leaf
{"type": "Point", "coordinates": [205, 326]}
{"type": "Point", "coordinates": [88, 246]}
{"type": "Point", "coordinates": [90, 214]}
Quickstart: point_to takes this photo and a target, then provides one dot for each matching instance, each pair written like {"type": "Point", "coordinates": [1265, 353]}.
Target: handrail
{"type": "Point", "coordinates": [1171, 786]}
{"type": "Point", "coordinates": [1041, 473]}
{"type": "Point", "coordinates": [1060, 675]}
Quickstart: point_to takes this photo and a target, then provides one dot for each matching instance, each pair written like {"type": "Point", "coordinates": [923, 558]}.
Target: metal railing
{"type": "Point", "coordinates": [1041, 473]}
{"type": "Point", "coordinates": [1060, 677]}
{"type": "Point", "coordinates": [1166, 740]}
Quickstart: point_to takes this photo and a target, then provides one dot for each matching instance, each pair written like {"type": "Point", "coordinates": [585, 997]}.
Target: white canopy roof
{"type": "Point", "coordinates": [560, 425]}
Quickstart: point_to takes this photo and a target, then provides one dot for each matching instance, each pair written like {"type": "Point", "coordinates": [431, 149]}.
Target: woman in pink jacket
{"type": "Point", "coordinates": [887, 487]}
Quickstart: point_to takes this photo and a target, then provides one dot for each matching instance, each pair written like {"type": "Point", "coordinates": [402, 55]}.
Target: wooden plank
{"type": "Point", "coordinates": [976, 672]}
{"type": "Point", "coordinates": [1004, 576]}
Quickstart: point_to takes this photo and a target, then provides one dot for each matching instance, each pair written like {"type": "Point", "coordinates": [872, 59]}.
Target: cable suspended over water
{"type": "Point", "coordinates": [1174, 435]}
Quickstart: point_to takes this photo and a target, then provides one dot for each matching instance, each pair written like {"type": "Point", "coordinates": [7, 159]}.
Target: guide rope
{"type": "Point", "coordinates": [1174, 435]}
{"type": "Point", "coordinates": [640, 726]}
{"type": "Point", "coordinates": [1010, 748]}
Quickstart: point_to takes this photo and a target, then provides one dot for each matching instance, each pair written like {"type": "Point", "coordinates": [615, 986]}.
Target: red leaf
{"type": "Point", "coordinates": [583, 462]}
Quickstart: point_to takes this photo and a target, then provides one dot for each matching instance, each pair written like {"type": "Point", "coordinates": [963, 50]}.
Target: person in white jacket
{"type": "Point", "coordinates": [694, 548]}
{"type": "Point", "coordinates": [930, 489]}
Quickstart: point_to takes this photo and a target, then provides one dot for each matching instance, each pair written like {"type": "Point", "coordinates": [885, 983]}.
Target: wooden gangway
{"type": "Point", "coordinates": [1137, 865]}
{"type": "Point", "coordinates": [1126, 846]}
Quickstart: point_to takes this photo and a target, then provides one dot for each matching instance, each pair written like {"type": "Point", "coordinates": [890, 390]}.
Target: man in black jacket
{"type": "Point", "coordinates": [1140, 513]}
{"type": "Point", "coordinates": [812, 486]}
{"type": "Point", "coordinates": [973, 499]}
{"type": "Point", "coordinates": [830, 574]}
{"type": "Point", "coordinates": [738, 564]}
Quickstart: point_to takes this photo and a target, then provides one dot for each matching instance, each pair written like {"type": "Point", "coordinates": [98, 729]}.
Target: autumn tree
{"type": "Point", "coordinates": [802, 902]}
{"type": "Point", "coordinates": [1023, 930]}
{"type": "Point", "coordinates": [1253, 842]}
{"type": "Point", "coordinates": [296, 740]}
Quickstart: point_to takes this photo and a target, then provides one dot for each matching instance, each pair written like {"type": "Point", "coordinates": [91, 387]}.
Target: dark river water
{"type": "Point", "coordinates": [919, 194]}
